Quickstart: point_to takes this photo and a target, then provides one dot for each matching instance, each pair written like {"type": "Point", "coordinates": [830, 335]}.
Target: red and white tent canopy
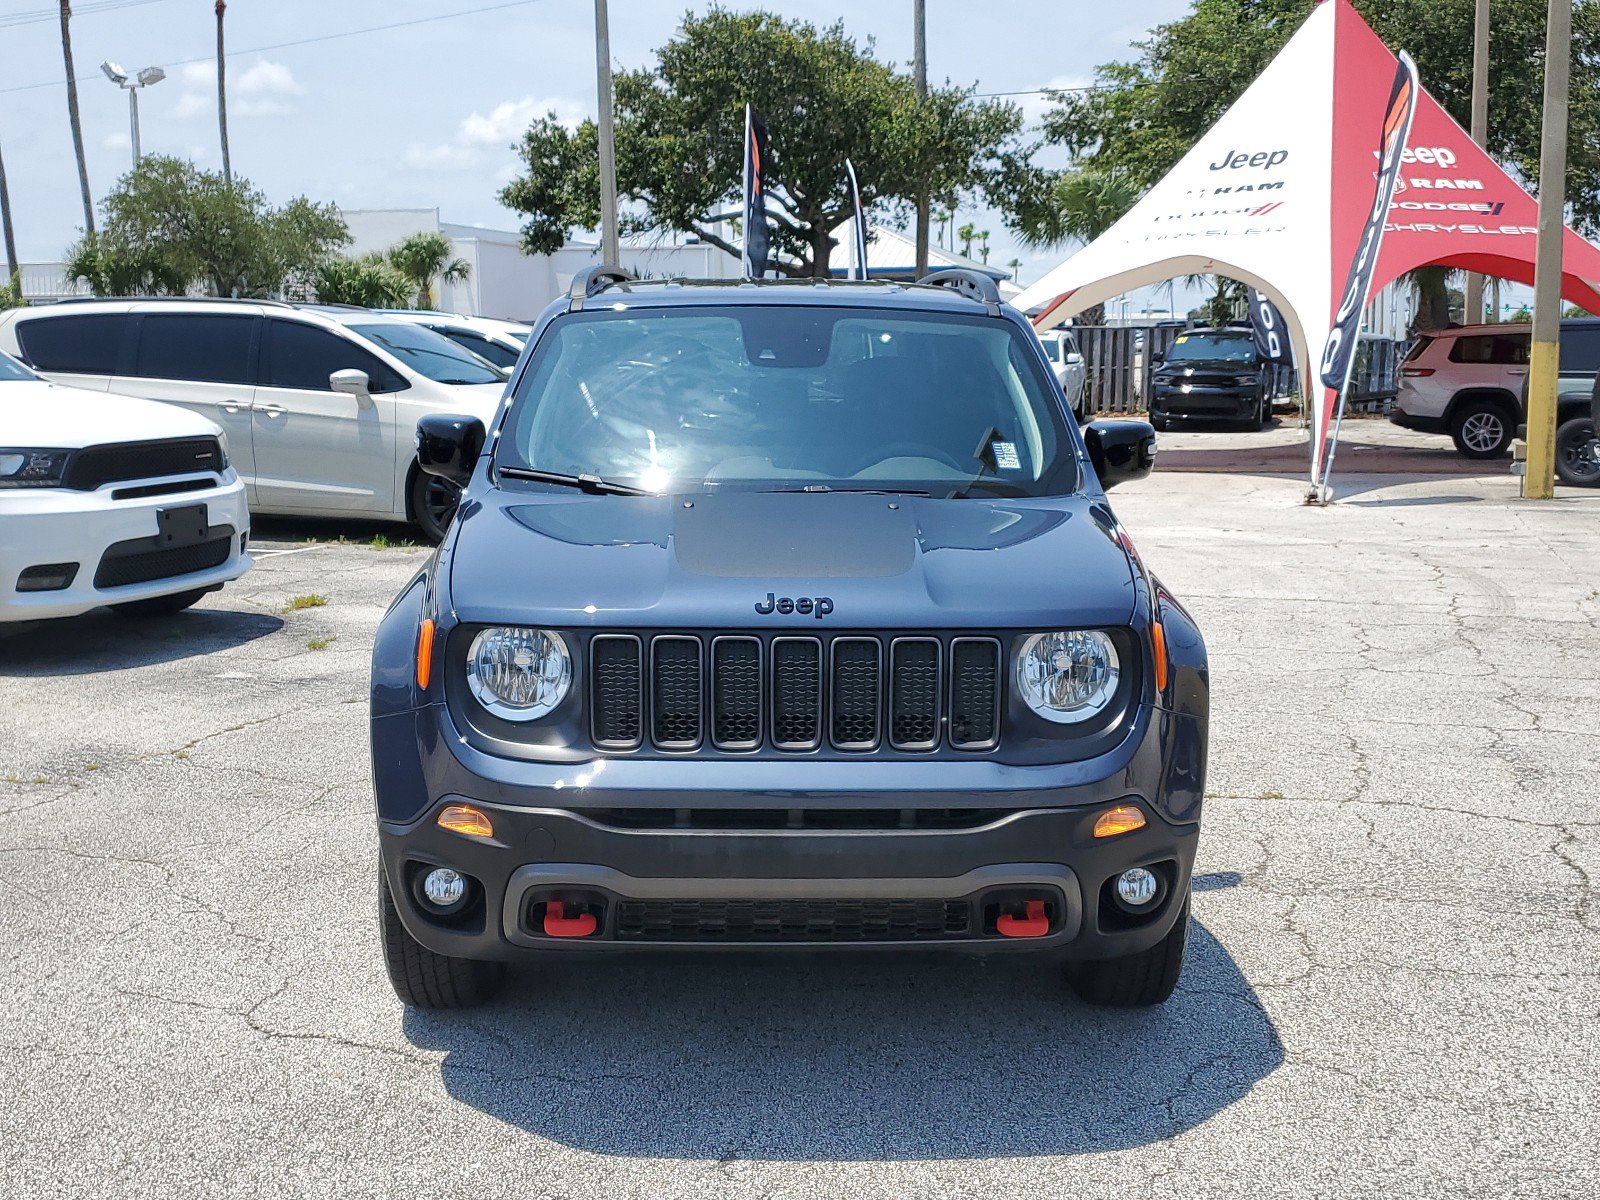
{"type": "Point", "coordinates": [1278, 192]}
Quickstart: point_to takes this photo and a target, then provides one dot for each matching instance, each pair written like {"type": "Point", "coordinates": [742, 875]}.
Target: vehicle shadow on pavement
{"type": "Point", "coordinates": [102, 641]}
{"type": "Point", "coordinates": [849, 1057]}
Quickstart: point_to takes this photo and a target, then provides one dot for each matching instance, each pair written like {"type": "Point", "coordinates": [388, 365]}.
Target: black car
{"type": "Point", "coordinates": [786, 616]}
{"type": "Point", "coordinates": [1215, 374]}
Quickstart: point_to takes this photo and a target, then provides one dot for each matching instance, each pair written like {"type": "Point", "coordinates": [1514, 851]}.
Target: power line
{"type": "Point", "coordinates": [326, 37]}
{"type": "Point", "coordinates": [39, 16]}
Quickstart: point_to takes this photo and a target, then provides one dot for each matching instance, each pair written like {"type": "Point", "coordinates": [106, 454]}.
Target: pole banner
{"type": "Point", "coordinates": [1272, 336]}
{"type": "Point", "coordinates": [1339, 354]}
{"type": "Point", "coordinates": [755, 195]}
{"type": "Point", "coordinates": [859, 270]}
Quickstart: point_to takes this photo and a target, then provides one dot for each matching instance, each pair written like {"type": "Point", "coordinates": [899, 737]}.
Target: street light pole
{"type": "Point", "coordinates": [610, 242]}
{"type": "Point", "coordinates": [133, 120]}
{"type": "Point", "coordinates": [1544, 366]}
{"type": "Point", "coordinates": [148, 77]}
{"type": "Point", "coordinates": [1480, 133]}
{"type": "Point", "coordinates": [920, 69]}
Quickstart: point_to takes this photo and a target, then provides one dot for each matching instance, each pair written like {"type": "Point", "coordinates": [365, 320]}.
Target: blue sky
{"type": "Point", "coordinates": [425, 115]}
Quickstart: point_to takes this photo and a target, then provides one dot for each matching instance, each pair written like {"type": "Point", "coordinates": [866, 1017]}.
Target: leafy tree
{"type": "Point", "coordinates": [1142, 116]}
{"type": "Point", "coordinates": [422, 258]}
{"type": "Point", "coordinates": [680, 140]}
{"type": "Point", "coordinates": [11, 294]}
{"type": "Point", "coordinates": [369, 281]}
{"type": "Point", "coordinates": [171, 228]}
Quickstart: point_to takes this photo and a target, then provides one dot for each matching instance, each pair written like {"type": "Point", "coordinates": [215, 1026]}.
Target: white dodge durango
{"type": "Point", "coordinates": [109, 500]}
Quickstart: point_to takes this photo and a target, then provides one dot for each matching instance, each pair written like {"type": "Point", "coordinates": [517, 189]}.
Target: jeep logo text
{"type": "Point", "coordinates": [1266, 159]}
{"type": "Point", "coordinates": [806, 606]}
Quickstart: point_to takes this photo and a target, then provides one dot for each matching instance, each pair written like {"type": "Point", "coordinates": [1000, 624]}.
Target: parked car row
{"type": "Point", "coordinates": [1470, 382]}
{"type": "Point", "coordinates": [295, 410]}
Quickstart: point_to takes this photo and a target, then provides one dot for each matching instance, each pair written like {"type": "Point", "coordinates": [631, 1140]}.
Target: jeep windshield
{"type": "Point", "coordinates": [1213, 347]}
{"type": "Point", "coordinates": [790, 398]}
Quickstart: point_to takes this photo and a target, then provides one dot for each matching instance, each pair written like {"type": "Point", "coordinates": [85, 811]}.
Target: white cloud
{"type": "Point", "coordinates": [506, 122]}
{"type": "Point", "coordinates": [117, 141]}
{"type": "Point", "coordinates": [482, 138]}
{"type": "Point", "coordinates": [266, 78]}
{"type": "Point", "coordinates": [260, 90]}
{"type": "Point", "coordinates": [1035, 105]}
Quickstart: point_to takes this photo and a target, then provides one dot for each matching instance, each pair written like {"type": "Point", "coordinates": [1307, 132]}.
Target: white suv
{"type": "Point", "coordinates": [1066, 361]}
{"type": "Point", "coordinates": [105, 500]}
{"type": "Point", "coordinates": [319, 403]}
{"type": "Point", "coordinates": [1469, 382]}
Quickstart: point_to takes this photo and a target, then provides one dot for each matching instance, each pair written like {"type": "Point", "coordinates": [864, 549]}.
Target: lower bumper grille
{"type": "Point", "coordinates": [819, 921]}
{"type": "Point", "coordinates": [138, 561]}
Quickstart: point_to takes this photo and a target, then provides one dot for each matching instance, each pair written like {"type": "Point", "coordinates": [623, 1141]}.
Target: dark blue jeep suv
{"type": "Point", "coordinates": [786, 615]}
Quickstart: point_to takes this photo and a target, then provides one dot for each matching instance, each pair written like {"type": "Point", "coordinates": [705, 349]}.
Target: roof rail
{"type": "Point", "coordinates": [592, 282]}
{"type": "Point", "coordinates": [171, 300]}
{"type": "Point", "coordinates": [973, 284]}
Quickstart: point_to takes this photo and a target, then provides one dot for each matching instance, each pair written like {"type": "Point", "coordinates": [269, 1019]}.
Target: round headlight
{"type": "Point", "coordinates": [519, 674]}
{"type": "Point", "coordinates": [1068, 676]}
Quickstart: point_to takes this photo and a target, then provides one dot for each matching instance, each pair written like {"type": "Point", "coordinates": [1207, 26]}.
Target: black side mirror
{"type": "Point", "coordinates": [448, 445]}
{"type": "Point", "coordinates": [1121, 451]}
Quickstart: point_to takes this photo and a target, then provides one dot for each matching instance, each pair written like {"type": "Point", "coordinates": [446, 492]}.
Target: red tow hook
{"type": "Point", "coordinates": [1033, 922]}
{"type": "Point", "coordinates": [558, 924]}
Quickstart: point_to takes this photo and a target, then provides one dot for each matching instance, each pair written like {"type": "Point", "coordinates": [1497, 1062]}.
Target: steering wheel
{"type": "Point", "coordinates": [879, 454]}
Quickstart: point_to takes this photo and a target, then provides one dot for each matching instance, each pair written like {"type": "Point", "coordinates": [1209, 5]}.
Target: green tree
{"type": "Point", "coordinates": [423, 258]}
{"type": "Point", "coordinates": [11, 294]}
{"type": "Point", "coordinates": [1143, 115]}
{"type": "Point", "coordinates": [369, 281]}
{"type": "Point", "coordinates": [170, 228]}
{"type": "Point", "coordinates": [680, 140]}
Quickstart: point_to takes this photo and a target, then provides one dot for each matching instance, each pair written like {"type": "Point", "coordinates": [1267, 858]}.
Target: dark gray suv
{"type": "Point", "coordinates": [786, 615]}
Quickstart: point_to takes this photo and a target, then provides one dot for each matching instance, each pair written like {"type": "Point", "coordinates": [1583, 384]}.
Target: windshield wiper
{"type": "Point", "coordinates": [592, 484]}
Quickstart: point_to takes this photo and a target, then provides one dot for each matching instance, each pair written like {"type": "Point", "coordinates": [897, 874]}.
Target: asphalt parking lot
{"type": "Point", "coordinates": [1391, 986]}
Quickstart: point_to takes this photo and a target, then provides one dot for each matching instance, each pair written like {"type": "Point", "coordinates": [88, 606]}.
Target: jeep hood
{"type": "Point", "coordinates": [707, 561]}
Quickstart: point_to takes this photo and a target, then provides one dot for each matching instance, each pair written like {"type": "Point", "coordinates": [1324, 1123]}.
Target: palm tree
{"type": "Point", "coordinates": [1079, 206]}
{"type": "Point", "coordinates": [966, 233]}
{"type": "Point", "coordinates": [13, 267]}
{"type": "Point", "coordinates": [983, 247]}
{"type": "Point", "coordinates": [72, 113]}
{"type": "Point", "coordinates": [1015, 267]}
{"type": "Point", "coordinates": [424, 257]}
{"type": "Point", "coordinates": [222, 95]}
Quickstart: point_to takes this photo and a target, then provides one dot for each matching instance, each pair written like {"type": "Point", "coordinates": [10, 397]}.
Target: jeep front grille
{"type": "Point", "coordinates": [852, 693]}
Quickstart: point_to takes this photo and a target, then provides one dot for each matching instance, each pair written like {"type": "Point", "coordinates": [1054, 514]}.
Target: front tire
{"type": "Point", "coordinates": [424, 979]}
{"type": "Point", "coordinates": [1481, 430]}
{"type": "Point", "coordinates": [432, 503]}
{"type": "Point", "coordinates": [159, 606]}
{"type": "Point", "coordinates": [1135, 980]}
{"type": "Point", "coordinates": [1578, 453]}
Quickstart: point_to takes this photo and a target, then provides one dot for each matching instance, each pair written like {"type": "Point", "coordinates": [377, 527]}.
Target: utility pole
{"type": "Point", "coordinates": [1480, 132]}
{"type": "Point", "coordinates": [610, 243]}
{"type": "Point", "coordinates": [919, 56]}
{"type": "Point", "coordinates": [1544, 366]}
{"type": "Point", "coordinates": [73, 118]}
{"type": "Point", "coordinates": [222, 95]}
{"type": "Point", "coordinates": [13, 267]}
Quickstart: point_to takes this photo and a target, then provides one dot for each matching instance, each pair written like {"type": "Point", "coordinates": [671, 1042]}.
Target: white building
{"type": "Point", "coordinates": [503, 281]}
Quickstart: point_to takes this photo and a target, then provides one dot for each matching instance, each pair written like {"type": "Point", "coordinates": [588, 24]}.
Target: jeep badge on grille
{"type": "Point", "coordinates": [818, 607]}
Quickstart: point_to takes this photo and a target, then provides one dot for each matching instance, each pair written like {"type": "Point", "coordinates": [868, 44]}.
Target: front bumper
{"type": "Point", "coordinates": [1195, 400]}
{"type": "Point", "coordinates": [743, 854]}
{"type": "Point", "coordinates": [58, 525]}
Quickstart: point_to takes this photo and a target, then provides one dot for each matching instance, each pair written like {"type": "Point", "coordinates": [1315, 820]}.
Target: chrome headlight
{"type": "Point", "coordinates": [20, 468]}
{"type": "Point", "coordinates": [1068, 676]}
{"type": "Point", "coordinates": [519, 674]}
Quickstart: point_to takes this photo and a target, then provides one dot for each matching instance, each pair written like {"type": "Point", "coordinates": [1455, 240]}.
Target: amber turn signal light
{"type": "Point", "coordinates": [425, 653]}
{"type": "Point", "coordinates": [1124, 818]}
{"type": "Point", "coordinates": [463, 818]}
{"type": "Point", "coordinates": [1158, 638]}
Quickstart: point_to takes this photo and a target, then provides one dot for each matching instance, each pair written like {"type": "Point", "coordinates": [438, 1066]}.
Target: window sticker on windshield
{"type": "Point", "coordinates": [1181, 340]}
{"type": "Point", "coordinates": [1005, 456]}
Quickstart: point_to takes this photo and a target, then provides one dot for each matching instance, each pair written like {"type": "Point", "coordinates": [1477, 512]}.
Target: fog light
{"type": "Point", "coordinates": [1137, 887]}
{"type": "Point", "coordinates": [48, 577]}
{"type": "Point", "coordinates": [444, 888]}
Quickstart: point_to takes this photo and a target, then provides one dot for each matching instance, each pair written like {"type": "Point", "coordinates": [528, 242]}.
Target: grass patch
{"type": "Point", "coordinates": [296, 603]}
{"type": "Point", "coordinates": [321, 643]}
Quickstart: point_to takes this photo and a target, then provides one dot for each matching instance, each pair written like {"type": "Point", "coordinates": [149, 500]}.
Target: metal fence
{"type": "Point", "coordinates": [1120, 361]}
